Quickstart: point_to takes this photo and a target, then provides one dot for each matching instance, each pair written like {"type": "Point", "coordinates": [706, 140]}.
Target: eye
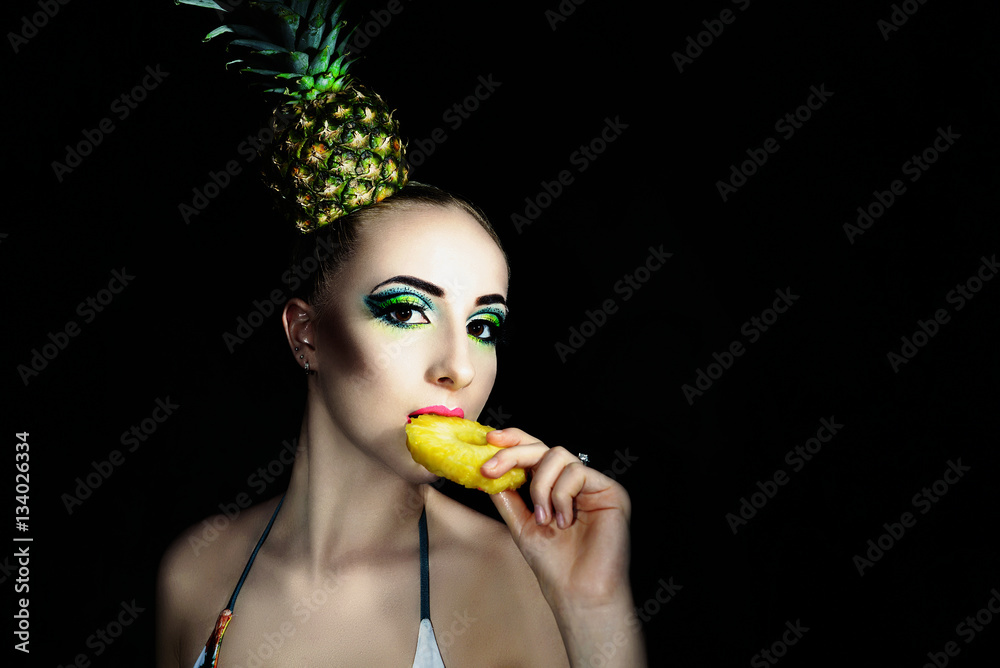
{"type": "Point", "coordinates": [486, 327]}
{"type": "Point", "coordinates": [407, 315]}
{"type": "Point", "coordinates": [481, 330]}
{"type": "Point", "coordinates": [399, 309]}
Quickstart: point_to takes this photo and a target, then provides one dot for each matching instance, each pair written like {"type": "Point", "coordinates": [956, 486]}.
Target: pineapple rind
{"type": "Point", "coordinates": [344, 154]}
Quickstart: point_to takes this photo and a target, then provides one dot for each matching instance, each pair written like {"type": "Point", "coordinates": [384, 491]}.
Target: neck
{"type": "Point", "coordinates": [342, 505]}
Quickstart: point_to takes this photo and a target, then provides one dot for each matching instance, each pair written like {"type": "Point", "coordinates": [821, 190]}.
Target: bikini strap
{"type": "Point", "coordinates": [425, 585]}
{"type": "Point", "coordinates": [246, 571]}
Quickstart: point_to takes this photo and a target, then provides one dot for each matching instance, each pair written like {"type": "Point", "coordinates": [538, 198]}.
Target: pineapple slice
{"type": "Point", "coordinates": [455, 448]}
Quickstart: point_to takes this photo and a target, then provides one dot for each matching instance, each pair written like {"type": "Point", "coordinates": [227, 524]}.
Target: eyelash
{"type": "Point", "coordinates": [384, 306]}
{"type": "Point", "coordinates": [495, 324]}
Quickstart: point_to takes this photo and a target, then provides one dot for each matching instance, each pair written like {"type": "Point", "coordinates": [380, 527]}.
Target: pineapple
{"type": "Point", "coordinates": [341, 151]}
{"type": "Point", "coordinates": [456, 448]}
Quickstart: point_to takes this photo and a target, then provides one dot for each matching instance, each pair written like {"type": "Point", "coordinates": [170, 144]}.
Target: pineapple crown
{"type": "Point", "coordinates": [313, 60]}
{"type": "Point", "coordinates": [336, 147]}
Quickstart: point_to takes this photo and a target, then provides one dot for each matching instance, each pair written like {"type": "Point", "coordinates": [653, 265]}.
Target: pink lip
{"type": "Point", "coordinates": [440, 410]}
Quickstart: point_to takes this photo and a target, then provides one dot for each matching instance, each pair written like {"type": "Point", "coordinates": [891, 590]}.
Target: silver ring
{"type": "Point", "coordinates": [583, 458]}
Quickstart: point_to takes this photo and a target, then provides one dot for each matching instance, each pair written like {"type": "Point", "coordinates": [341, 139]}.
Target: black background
{"type": "Point", "coordinates": [654, 186]}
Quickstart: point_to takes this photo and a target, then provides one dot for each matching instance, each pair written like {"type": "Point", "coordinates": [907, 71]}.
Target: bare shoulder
{"type": "Point", "coordinates": [497, 582]}
{"type": "Point", "coordinates": [196, 577]}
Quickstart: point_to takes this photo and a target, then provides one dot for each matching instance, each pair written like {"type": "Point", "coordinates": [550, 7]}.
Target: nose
{"type": "Point", "coordinates": [452, 367]}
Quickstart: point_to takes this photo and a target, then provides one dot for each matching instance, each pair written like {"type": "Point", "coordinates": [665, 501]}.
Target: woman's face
{"type": "Point", "coordinates": [411, 323]}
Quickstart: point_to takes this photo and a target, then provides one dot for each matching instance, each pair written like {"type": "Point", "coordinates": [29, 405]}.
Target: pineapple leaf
{"type": "Point", "coordinates": [242, 31]}
{"type": "Point", "coordinates": [335, 16]}
{"type": "Point", "coordinates": [339, 66]}
{"type": "Point", "coordinates": [277, 7]}
{"type": "Point", "coordinates": [301, 7]}
{"type": "Point", "coordinates": [319, 11]}
{"type": "Point", "coordinates": [259, 46]}
{"type": "Point", "coordinates": [268, 73]}
{"type": "Point", "coordinates": [218, 31]}
{"type": "Point", "coordinates": [210, 4]}
{"type": "Point", "coordinates": [340, 45]}
{"type": "Point", "coordinates": [288, 20]}
{"type": "Point", "coordinates": [314, 26]}
{"type": "Point", "coordinates": [320, 62]}
{"type": "Point", "coordinates": [331, 37]}
{"type": "Point", "coordinates": [299, 61]}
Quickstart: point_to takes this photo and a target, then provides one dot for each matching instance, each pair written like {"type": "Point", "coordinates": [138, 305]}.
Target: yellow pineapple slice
{"type": "Point", "coordinates": [455, 448]}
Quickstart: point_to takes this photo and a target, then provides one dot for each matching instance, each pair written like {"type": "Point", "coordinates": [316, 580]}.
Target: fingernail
{"type": "Point", "coordinates": [539, 514]}
{"type": "Point", "coordinates": [560, 520]}
{"type": "Point", "coordinates": [490, 464]}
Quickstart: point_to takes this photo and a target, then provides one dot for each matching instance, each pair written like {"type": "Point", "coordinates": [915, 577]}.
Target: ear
{"type": "Point", "coordinates": [299, 320]}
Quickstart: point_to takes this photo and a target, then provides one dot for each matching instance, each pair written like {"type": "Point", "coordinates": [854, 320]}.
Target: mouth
{"type": "Point", "coordinates": [439, 410]}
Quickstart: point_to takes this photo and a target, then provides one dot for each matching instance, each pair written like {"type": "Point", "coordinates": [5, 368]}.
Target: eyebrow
{"type": "Point", "coordinates": [491, 299]}
{"type": "Point", "coordinates": [435, 291]}
{"type": "Point", "coordinates": [429, 288]}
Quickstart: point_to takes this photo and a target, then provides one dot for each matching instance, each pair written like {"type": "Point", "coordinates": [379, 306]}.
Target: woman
{"type": "Point", "coordinates": [405, 317]}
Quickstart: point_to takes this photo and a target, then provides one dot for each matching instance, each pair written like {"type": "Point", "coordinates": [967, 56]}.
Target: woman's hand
{"type": "Point", "coordinates": [577, 539]}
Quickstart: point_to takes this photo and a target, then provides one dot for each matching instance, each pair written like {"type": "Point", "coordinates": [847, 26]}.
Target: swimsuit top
{"type": "Point", "coordinates": [427, 655]}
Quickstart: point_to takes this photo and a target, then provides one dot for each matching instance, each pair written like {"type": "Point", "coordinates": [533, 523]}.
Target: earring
{"type": "Point", "coordinates": [308, 372]}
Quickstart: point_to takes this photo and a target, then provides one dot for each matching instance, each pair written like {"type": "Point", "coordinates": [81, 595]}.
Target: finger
{"type": "Point", "coordinates": [571, 482]}
{"type": "Point", "coordinates": [506, 438]}
{"type": "Point", "coordinates": [543, 477]}
{"type": "Point", "coordinates": [513, 511]}
{"type": "Point", "coordinates": [524, 456]}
